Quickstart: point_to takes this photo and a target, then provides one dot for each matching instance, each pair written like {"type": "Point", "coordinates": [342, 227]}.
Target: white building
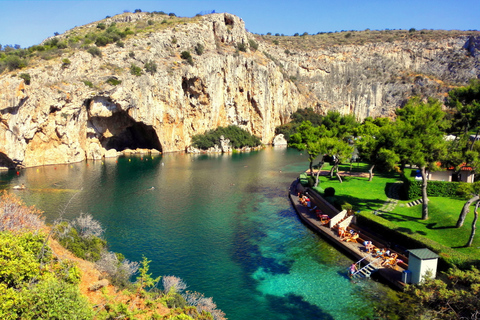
{"type": "Point", "coordinates": [420, 263]}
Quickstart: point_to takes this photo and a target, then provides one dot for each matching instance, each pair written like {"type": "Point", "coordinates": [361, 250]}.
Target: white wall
{"type": "Point", "coordinates": [420, 268]}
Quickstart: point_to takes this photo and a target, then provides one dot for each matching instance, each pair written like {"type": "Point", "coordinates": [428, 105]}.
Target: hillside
{"type": "Point", "coordinates": [148, 80]}
{"type": "Point", "coordinates": [40, 279]}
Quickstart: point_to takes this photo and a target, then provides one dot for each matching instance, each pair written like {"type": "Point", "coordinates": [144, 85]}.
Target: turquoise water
{"type": "Point", "coordinates": [222, 223]}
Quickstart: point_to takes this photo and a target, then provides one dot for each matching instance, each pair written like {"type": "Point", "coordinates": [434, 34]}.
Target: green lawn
{"type": "Point", "coordinates": [370, 197]}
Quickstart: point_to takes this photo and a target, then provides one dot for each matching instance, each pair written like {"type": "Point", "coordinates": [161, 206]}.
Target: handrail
{"type": "Point", "coordinates": [366, 266]}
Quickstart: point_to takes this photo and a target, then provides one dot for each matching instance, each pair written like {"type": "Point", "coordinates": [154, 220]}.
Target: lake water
{"type": "Point", "coordinates": [222, 223]}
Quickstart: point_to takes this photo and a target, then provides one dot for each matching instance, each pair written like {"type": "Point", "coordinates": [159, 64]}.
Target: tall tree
{"type": "Point", "coordinates": [375, 144]}
{"type": "Point", "coordinates": [307, 139]}
{"type": "Point", "coordinates": [474, 225]}
{"type": "Point", "coordinates": [340, 126]}
{"type": "Point", "coordinates": [421, 127]}
{"type": "Point", "coordinates": [341, 151]}
{"type": "Point", "coordinates": [465, 101]}
{"type": "Point", "coordinates": [472, 191]}
{"type": "Point", "coordinates": [328, 138]}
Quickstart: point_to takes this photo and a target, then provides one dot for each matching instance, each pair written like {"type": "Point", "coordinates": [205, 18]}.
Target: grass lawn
{"type": "Point", "coordinates": [369, 197]}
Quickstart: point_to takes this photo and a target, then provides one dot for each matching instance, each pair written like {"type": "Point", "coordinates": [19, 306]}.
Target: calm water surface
{"type": "Point", "coordinates": [222, 223]}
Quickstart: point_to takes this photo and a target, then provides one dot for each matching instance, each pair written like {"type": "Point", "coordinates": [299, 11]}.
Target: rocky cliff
{"type": "Point", "coordinates": [83, 106]}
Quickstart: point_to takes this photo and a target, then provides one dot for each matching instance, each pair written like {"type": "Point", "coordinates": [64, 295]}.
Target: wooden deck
{"type": "Point", "coordinates": [354, 249]}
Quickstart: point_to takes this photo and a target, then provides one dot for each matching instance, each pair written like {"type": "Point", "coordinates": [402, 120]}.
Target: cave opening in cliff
{"type": "Point", "coordinates": [6, 162]}
{"type": "Point", "coordinates": [136, 136]}
{"type": "Point", "coordinates": [126, 133]}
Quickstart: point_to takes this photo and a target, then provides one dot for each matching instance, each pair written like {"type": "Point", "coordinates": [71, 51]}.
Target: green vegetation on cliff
{"type": "Point", "coordinates": [238, 137]}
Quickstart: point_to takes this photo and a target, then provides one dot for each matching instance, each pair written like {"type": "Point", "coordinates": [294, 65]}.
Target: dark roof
{"type": "Point", "coordinates": [423, 254]}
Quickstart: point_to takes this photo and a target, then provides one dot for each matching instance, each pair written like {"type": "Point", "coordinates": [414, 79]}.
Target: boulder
{"type": "Point", "coordinates": [279, 140]}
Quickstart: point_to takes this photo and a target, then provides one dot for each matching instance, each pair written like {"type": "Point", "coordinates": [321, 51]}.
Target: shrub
{"type": "Point", "coordinates": [26, 77]}
{"type": "Point", "coordinates": [171, 14]}
{"type": "Point", "coordinates": [52, 42]}
{"type": "Point", "coordinates": [62, 45]}
{"type": "Point", "coordinates": [173, 283]}
{"type": "Point", "coordinates": [238, 137]}
{"type": "Point", "coordinates": [204, 304]}
{"type": "Point", "coordinates": [95, 51]}
{"type": "Point", "coordinates": [199, 49]}
{"type": "Point", "coordinates": [88, 83]}
{"type": "Point", "coordinates": [101, 26]}
{"type": "Point", "coordinates": [275, 42]}
{"type": "Point", "coordinates": [136, 71]}
{"type": "Point", "coordinates": [303, 178]}
{"type": "Point", "coordinates": [120, 44]}
{"type": "Point", "coordinates": [131, 54]}
{"type": "Point", "coordinates": [36, 286]}
{"type": "Point", "coordinates": [253, 44]}
{"type": "Point", "coordinates": [296, 119]}
{"type": "Point", "coordinates": [102, 41]}
{"type": "Point", "coordinates": [185, 55]}
{"type": "Point", "coordinates": [150, 22]}
{"type": "Point", "coordinates": [88, 247]}
{"type": "Point", "coordinates": [87, 227]}
{"type": "Point", "coordinates": [175, 300]}
{"type": "Point", "coordinates": [113, 81]}
{"type": "Point", "coordinates": [13, 62]}
{"type": "Point", "coordinates": [329, 192]}
{"type": "Point", "coordinates": [55, 299]}
{"type": "Point", "coordinates": [150, 67]}
{"type": "Point", "coordinates": [66, 63]}
{"type": "Point", "coordinates": [242, 46]}
{"type": "Point", "coordinates": [127, 31]}
{"type": "Point", "coordinates": [18, 258]}
{"type": "Point", "coordinates": [16, 216]}
{"type": "Point", "coordinates": [118, 270]}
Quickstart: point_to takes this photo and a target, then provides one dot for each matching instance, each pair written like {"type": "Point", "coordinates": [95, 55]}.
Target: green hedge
{"type": "Point", "coordinates": [413, 188]}
{"type": "Point", "coordinates": [390, 232]}
{"type": "Point", "coordinates": [306, 180]}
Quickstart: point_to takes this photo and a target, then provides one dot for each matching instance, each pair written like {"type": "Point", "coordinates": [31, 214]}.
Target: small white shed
{"type": "Point", "coordinates": [421, 261]}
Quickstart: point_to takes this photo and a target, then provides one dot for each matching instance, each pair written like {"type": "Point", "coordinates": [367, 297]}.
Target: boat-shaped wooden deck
{"type": "Point", "coordinates": [355, 249]}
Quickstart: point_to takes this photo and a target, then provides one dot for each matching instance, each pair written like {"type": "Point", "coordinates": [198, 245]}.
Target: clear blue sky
{"type": "Point", "coordinates": [29, 22]}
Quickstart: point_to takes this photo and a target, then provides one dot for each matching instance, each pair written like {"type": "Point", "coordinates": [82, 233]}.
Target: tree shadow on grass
{"type": "Point", "coordinates": [405, 230]}
{"type": "Point", "coordinates": [361, 204]}
{"type": "Point", "coordinates": [431, 226]}
{"type": "Point", "coordinates": [396, 217]}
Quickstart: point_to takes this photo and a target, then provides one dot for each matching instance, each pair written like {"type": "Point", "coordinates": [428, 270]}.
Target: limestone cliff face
{"type": "Point", "coordinates": [69, 112]}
